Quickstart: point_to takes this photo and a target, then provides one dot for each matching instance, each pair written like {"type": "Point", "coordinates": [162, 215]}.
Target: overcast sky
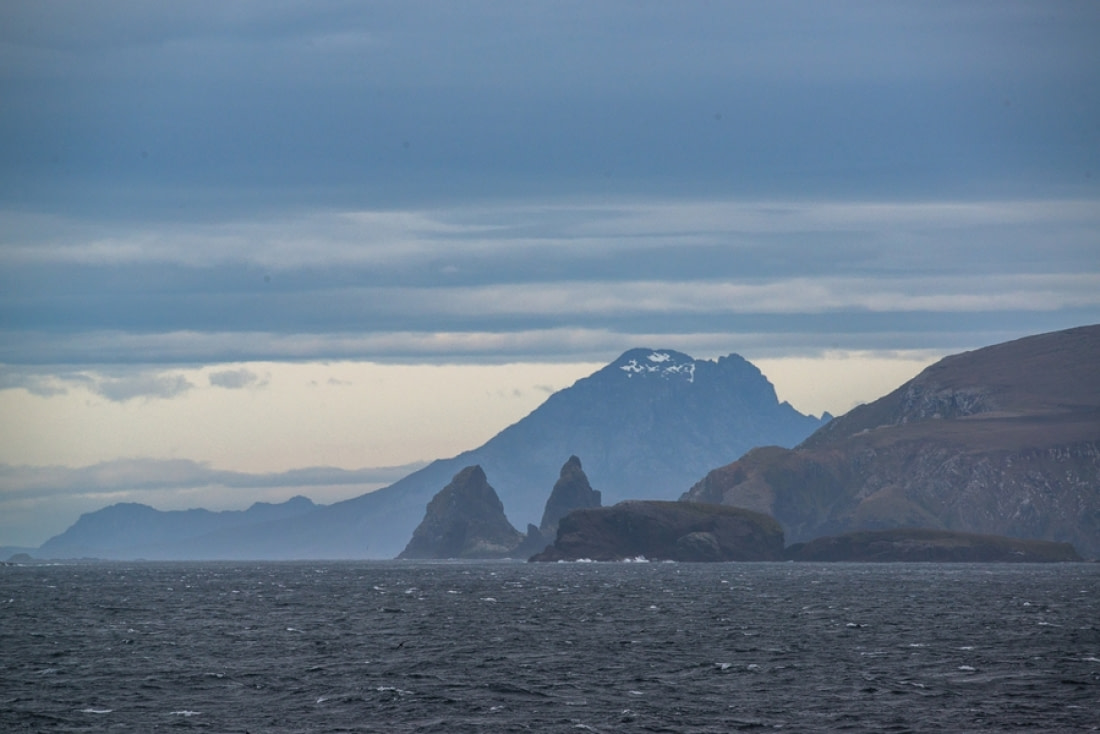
{"type": "Point", "coordinates": [241, 240]}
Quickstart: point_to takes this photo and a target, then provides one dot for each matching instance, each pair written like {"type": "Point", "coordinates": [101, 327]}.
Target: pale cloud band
{"type": "Point", "coordinates": [561, 282]}
{"type": "Point", "coordinates": [396, 239]}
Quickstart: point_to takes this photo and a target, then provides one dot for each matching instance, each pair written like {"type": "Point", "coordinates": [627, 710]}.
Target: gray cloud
{"type": "Point", "coordinates": [152, 475]}
{"type": "Point", "coordinates": [455, 283]}
{"type": "Point", "coordinates": [188, 113]}
{"type": "Point", "coordinates": [121, 389]}
{"type": "Point", "coordinates": [183, 182]}
{"type": "Point", "coordinates": [234, 379]}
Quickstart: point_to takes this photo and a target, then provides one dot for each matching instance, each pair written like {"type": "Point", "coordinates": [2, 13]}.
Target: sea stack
{"type": "Point", "coordinates": [571, 492]}
{"type": "Point", "coordinates": [465, 519]}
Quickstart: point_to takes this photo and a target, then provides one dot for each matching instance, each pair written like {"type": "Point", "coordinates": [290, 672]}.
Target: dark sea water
{"type": "Point", "coordinates": [510, 647]}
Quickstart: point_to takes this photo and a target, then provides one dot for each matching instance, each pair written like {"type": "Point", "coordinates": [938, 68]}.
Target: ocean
{"type": "Point", "coordinates": [578, 647]}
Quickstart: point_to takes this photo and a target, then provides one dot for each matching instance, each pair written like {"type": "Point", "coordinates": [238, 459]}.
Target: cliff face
{"type": "Point", "coordinates": [464, 520]}
{"type": "Point", "coordinates": [1003, 440]}
{"type": "Point", "coordinates": [676, 531]}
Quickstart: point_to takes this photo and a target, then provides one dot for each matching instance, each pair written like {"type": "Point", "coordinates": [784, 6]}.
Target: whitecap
{"type": "Point", "coordinates": [967, 668]}
{"type": "Point", "coordinates": [184, 712]}
{"type": "Point", "coordinates": [95, 711]}
{"type": "Point", "coordinates": [395, 689]}
{"type": "Point", "coordinates": [723, 666]}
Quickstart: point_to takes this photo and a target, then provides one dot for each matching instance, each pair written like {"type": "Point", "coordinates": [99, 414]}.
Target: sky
{"type": "Point", "coordinates": [256, 249]}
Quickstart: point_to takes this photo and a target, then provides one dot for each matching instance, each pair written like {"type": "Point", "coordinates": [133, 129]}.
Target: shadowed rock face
{"type": "Point", "coordinates": [1003, 440]}
{"type": "Point", "coordinates": [676, 531]}
{"type": "Point", "coordinates": [571, 492]}
{"type": "Point", "coordinates": [464, 520]}
{"type": "Point", "coordinates": [940, 546]}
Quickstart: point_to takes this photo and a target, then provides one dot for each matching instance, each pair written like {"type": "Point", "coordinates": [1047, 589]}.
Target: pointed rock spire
{"type": "Point", "coordinates": [571, 492]}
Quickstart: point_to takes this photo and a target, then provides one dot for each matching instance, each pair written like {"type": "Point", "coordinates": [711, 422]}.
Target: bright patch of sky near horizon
{"type": "Point", "coordinates": [264, 236]}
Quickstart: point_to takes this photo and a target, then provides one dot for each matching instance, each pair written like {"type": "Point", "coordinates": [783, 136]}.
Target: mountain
{"type": "Point", "coordinates": [131, 530]}
{"type": "Point", "coordinates": [1003, 440]}
{"type": "Point", "coordinates": [464, 520]}
{"type": "Point", "coordinates": [648, 426]}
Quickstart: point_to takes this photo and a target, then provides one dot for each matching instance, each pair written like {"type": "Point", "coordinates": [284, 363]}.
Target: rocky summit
{"type": "Point", "coordinates": [673, 531]}
{"type": "Point", "coordinates": [1003, 440]}
{"type": "Point", "coordinates": [571, 492]}
{"type": "Point", "coordinates": [464, 520]}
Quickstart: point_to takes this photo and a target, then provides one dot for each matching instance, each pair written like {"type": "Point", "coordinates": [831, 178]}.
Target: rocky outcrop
{"type": "Point", "coordinates": [675, 531]}
{"type": "Point", "coordinates": [1001, 441]}
{"type": "Point", "coordinates": [464, 520]}
{"type": "Point", "coordinates": [940, 546]}
{"type": "Point", "coordinates": [571, 492]}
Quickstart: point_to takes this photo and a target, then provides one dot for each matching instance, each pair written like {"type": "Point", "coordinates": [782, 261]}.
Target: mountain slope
{"type": "Point", "coordinates": [1002, 440]}
{"type": "Point", "coordinates": [647, 426]}
{"type": "Point", "coordinates": [129, 530]}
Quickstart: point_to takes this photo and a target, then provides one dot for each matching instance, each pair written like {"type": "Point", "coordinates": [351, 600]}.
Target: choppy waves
{"type": "Point", "coordinates": [406, 647]}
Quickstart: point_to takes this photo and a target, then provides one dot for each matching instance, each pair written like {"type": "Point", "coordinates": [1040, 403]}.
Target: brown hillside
{"type": "Point", "coordinates": [1002, 440]}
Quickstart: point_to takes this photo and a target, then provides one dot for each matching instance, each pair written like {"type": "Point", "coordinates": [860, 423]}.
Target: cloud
{"type": "Point", "coordinates": [121, 389]}
{"type": "Point", "coordinates": [165, 475]}
{"type": "Point", "coordinates": [310, 182]}
{"type": "Point", "coordinates": [234, 379]}
{"type": "Point", "coordinates": [36, 383]}
{"type": "Point", "coordinates": [294, 106]}
{"type": "Point", "coordinates": [441, 283]}
{"type": "Point", "coordinates": [117, 384]}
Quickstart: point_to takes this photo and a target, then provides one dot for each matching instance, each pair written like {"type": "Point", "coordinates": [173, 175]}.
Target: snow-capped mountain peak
{"type": "Point", "coordinates": [660, 363]}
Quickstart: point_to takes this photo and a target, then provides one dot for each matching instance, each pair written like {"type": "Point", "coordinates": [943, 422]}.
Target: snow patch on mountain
{"type": "Point", "coordinates": [662, 364]}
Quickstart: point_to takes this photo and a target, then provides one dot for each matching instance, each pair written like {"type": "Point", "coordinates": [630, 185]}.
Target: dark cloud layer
{"type": "Point", "coordinates": [189, 108]}
{"type": "Point", "coordinates": [199, 182]}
